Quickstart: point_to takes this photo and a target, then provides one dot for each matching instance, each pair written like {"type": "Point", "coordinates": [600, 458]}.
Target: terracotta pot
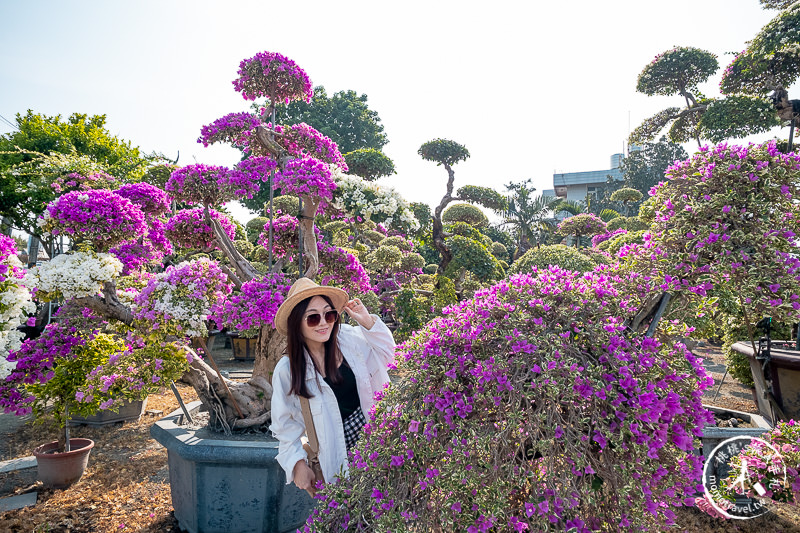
{"type": "Point", "coordinates": [60, 470]}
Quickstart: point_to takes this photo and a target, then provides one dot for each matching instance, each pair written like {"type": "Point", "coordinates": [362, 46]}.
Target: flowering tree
{"type": "Point", "coordinates": [15, 302]}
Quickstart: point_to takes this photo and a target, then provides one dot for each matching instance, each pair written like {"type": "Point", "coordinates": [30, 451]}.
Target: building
{"type": "Point", "coordinates": [576, 186]}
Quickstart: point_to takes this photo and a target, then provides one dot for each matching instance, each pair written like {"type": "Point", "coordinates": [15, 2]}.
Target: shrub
{"type": "Point", "coordinates": [535, 409]}
{"type": "Point", "coordinates": [472, 256]}
{"type": "Point", "coordinates": [466, 213]}
{"type": "Point", "coordinates": [555, 254]}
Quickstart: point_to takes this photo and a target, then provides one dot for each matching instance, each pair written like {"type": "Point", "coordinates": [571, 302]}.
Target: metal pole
{"type": "Point", "coordinates": [300, 240]}
{"type": "Point", "coordinates": [180, 401]}
{"type": "Point", "coordinates": [271, 195]}
{"type": "Point", "coordinates": [791, 135]}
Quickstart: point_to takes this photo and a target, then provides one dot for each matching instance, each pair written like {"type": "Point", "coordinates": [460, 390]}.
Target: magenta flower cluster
{"type": "Point", "coordinates": [75, 181]}
{"type": "Point", "coordinates": [233, 128]}
{"type": "Point", "coordinates": [153, 201]}
{"type": "Point", "coordinates": [8, 247]}
{"type": "Point", "coordinates": [603, 237]}
{"type": "Point", "coordinates": [254, 306]}
{"type": "Point", "coordinates": [301, 140]}
{"type": "Point", "coordinates": [342, 269]}
{"type": "Point", "coordinates": [534, 379]}
{"type": "Point", "coordinates": [188, 229]}
{"type": "Point", "coordinates": [284, 236]}
{"type": "Point", "coordinates": [274, 76]}
{"type": "Point", "coordinates": [307, 177]}
{"type": "Point", "coordinates": [727, 218]}
{"type": "Point", "coordinates": [100, 217]}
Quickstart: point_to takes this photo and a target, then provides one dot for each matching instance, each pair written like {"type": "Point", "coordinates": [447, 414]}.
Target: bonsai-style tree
{"type": "Point", "coordinates": [369, 163]}
{"type": "Point", "coordinates": [755, 86]}
{"type": "Point", "coordinates": [447, 153]}
{"type": "Point", "coordinates": [581, 225]}
{"type": "Point", "coordinates": [626, 196]}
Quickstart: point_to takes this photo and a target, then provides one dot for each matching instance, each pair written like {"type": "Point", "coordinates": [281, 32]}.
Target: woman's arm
{"type": "Point", "coordinates": [287, 423]}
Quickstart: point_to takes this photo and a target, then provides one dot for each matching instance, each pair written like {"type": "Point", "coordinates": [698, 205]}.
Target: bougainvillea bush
{"type": "Point", "coordinates": [15, 301]}
{"type": "Point", "coordinates": [775, 465]}
{"type": "Point", "coordinates": [725, 233]}
{"type": "Point", "coordinates": [529, 408]}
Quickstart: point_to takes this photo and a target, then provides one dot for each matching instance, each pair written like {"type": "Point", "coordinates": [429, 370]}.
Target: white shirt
{"type": "Point", "coordinates": [368, 352]}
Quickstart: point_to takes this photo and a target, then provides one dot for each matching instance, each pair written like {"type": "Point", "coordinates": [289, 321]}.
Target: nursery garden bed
{"type": "Point", "coordinates": [126, 486]}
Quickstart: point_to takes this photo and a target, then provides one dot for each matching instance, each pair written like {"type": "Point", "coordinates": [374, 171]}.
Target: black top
{"type": "Point", "coordinates": [346, 391]}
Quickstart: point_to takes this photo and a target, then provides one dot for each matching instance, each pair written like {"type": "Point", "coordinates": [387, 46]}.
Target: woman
{"type": "Point", "coordinates": [336, 366]}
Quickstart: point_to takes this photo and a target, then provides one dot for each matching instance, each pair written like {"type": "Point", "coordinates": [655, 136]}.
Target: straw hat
{"type": "Point", "coordinates": [305, 288]}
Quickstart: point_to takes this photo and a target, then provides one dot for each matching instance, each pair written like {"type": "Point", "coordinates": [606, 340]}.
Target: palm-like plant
{"type": "Point", "coordinates": [530, 215]}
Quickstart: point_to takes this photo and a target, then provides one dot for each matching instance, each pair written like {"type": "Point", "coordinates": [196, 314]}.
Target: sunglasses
{"type": "Point", "coordinates": [314, 319]}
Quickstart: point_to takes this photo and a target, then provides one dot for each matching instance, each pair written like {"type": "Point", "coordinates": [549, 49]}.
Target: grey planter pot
{"type": "Point", "coordinates": [228, 486]}
{"type": "Point", "coordinates": [712, 435]}
{"type": "Point", "coordinates": [127, 412]}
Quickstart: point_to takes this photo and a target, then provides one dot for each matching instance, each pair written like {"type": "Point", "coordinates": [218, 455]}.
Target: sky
{"type": "Point", "coordinates": [530, 88]}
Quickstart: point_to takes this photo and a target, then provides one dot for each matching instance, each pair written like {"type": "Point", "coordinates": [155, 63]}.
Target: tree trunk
{"type": "Point", "coordinates": [438, 228]}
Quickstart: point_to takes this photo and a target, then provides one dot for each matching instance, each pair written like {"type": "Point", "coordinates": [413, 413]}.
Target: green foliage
{"type": "Point", "coordinates": [254, 227]}
{"type": "Point", "coordinates": [345, 117]}
{"type": "Point", "coordinates": [738, 364]}
{"type": "Point", "coordinates": [645, 167]}
{"type": "Point", "coordinates": [335, 227]}
{"type": "Point", "coordinates": [647, 211]}
{"type": "Point", "coordinates": [369, 164]}
{"type": "Point", "coordinates": [557, 254]}
{"type": "Point", "coordinates": [397, 241]}
{"type": "Point", "coordinates": [738, 116]}
{"type": "Point", "coordinates": [499, 251]}
{"type": "Point", "coordinates": [607, 215]}
{"type": "Point", "coordinates": [45, 149]}
{"type": "Point", "coordinates": [628, 223]}
{"type": "Point", "coordinates": [443, 152]}
{"type": "Point", "coordinates": [776, 4]}
{"type": "Point", "coordinates": [472, 256]}
{"type": "Point", "coordinates": [412, 313]}
{"type": "Point", "coordinates": [431, 268]}
{"type": "Point", "coordinates": [467, 213]}
{"type": "Point", "coordinates": [261, 268]}
{"type": "Point", "coordinates": [69, 375]}
{"type": "Point", "coordinates": [288, 204]}
{"type": "Point", "coordinates": [422, 212]}
{"type": "Point", "coordinates": [384, 257]}
{"type": "Point", "coordinates": [770, 60]}
{"type": "Point", "coordinates": [676, 71]}
{"type": "Point", "coordinates": [488, 198]}
{"type": "Point", "coordinates": [159, 174]}
{"type": "Point", "coordinates": [651, 126]}
{"type": "Point", "coordinates": [497, 234]}
{"type": "Point", "coordinates": [626, 194]}
{"type": "Point", "coordinates": [581, 225]}
{"type": "Point", "coordinates": [244, 247]}
{"type": "Point", "coordinates": [614, 245]}
{"type": "Point", "coordinates": [531, 217]}
{"type": "Point", "coordinates": [372, 236]}
{"type": "Point", "coordinates": [412, 261]}
{"type": "Point", "coordinates": [444, 293]}
{"type": "Point", "coordinates": [465, 230]}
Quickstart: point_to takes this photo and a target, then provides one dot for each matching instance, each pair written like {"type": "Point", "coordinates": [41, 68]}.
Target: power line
{"type": "Point", "coordinates": [9, 122]}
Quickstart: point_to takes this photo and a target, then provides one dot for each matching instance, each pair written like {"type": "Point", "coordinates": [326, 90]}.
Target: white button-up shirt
{"type": "Point", "coordinates": [368, 352]}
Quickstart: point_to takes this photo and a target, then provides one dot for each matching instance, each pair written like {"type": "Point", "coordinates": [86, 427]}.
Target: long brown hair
{"type": "Point", "coordinates": [296, 343]}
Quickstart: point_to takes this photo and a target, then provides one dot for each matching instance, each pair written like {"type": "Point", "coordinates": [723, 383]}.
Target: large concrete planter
{"type": "Point", "coordinates": [783, 372]}
{"type": "Point", "coordinates": [228, 486]}
{"type": "Point", "coordinates": [713, 435]}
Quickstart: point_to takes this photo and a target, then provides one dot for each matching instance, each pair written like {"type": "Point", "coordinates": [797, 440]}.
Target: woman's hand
{"type": "Point", "coordinates": [304, 476]}
{"type": "Point", "coordinates": [360, 314]}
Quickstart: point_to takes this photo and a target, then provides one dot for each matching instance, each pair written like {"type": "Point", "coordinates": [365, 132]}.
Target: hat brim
{"type": "Point", "coordinates": [337, 296]}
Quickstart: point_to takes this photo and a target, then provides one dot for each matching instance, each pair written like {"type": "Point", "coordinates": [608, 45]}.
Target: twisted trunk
{"type": "Point", "coordinates": [438, 228]}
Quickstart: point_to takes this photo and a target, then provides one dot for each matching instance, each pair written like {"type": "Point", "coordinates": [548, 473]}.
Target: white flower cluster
{"type": "Point", "coordinates": [370, 200]}
{"type": "Point", "coordinates": [186, 313]}
{"type": "Point", "coordinates": [15, 304]}
{"type": "Point", "coordinates": [74, 275]}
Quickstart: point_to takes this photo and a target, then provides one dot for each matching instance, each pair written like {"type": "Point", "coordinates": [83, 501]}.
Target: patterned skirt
{"type": "Point", "coordinates": [352, 427]}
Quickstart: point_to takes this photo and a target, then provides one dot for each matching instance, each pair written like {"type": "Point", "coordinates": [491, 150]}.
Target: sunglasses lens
{"type": "Point", "coordinates": [313, 320]}
{"type": "Point", "coordinates": [331, 317]}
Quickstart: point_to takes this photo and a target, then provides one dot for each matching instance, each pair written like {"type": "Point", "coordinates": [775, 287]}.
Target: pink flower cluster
{"type": "Point", "coordinates": [254, 307]}
{"type": "Point", "coordinates": [8, 247]}
{"type": "Point", "coordinates": [100, 217]}
{"type": "Point", "coordinates": [603, 237]}
{"type": "Point", "coordinates": [153, 201]}
{"type": "Point", "coordinates": [78, 182]}
{"type": "Point", "coordinates": [342, 269]}
{"type": "Point", "coordinates": [302, 140]}
{"type": "Point", "coordinates": [272, 75]}
{"type": "Point", "coordinates": [284, 236]}
{"type": "Point", "coordinates": [233, 128]}
{"type": "Point", "coordinates": [307, 177]}
{"type": "Point", "coordinates": [199, 184]}
{"type": "Point", "coordinates": [188, 229]}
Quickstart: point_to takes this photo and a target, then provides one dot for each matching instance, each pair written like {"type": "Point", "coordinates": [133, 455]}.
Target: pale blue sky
{"type": "Point", "coordinates": [528, 87]}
